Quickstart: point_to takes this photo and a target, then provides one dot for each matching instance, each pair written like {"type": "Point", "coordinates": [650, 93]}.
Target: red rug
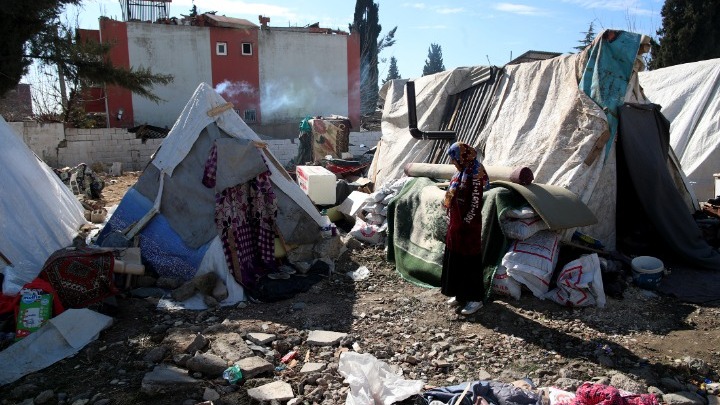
{"type": "Point", "coordinates": [80, 276]}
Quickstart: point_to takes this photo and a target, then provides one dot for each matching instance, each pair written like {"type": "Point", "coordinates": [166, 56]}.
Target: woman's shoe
{"type": "Point", "coordinates": [452, 301]}
{"type": "Point", "coordinates": [471, 307]}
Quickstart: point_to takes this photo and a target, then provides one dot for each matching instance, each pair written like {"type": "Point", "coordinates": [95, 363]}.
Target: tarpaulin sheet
{"type": "Point", "coordinates": [689, 95]}
{"type": "Point", "coordinates": [38, 213]}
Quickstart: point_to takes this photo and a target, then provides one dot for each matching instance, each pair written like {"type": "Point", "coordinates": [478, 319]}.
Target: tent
{"type": "Point", "coordinates": [689, 95]}
{"type": "Point", "coordinates": [38, 213]}
{"type": "Point", "coordinates": [551, 116]}
{"type": "Point", "coordinates": [181, 240]}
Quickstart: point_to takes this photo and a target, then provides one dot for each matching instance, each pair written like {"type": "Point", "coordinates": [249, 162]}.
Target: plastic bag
{"type": "Point", "coordinates": [580, 283]}
{"type": "Point", "coordinates": [372, 382]}
{"type": "Point", "coordinates": [365, 232]}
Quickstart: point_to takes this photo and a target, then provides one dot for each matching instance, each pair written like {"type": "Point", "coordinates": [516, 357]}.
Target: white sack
{"type": "Point", "coordinates": [532, 262]}
{"type": "Point", "coordinates": [580, 284]}
{"type": "Point", "coordinates": [503, 284]}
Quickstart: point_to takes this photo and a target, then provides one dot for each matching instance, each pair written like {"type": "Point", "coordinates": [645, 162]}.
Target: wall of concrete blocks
{"type": "Point", "coordinates": [60, 147]}
{"type": "Point", "coordinates": [106, 146]}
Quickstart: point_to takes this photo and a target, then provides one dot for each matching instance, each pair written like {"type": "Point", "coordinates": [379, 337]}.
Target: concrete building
{"type": "Point", "coordinates": [274, 76]}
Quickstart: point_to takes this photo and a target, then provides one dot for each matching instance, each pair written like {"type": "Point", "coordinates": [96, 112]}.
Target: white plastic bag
{"type": "Point", "coordinates": [375, 219]}
{"type": "Point", "coordinates": [580, 283]}
{"type": "Point", "coordinates": [503, 284]}
{"type": "Point", "coordinates": [372, 382]}
{"type": "Point", "coordinates": [365, 232]}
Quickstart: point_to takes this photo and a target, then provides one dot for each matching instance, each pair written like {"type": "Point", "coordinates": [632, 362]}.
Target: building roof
{"type": "Point", "coordinates": [228, 22]}
{"type": "Point", "coordinates": [532, 56]}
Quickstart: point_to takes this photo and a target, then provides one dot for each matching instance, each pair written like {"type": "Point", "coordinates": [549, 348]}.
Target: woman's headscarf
{"type": "Point", "coordinates": [466, 156]}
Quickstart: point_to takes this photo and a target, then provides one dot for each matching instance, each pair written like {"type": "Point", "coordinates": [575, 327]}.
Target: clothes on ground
{"type": "Point", "coordinates": [82, 180]}
{"type": "Point", "coordinates": [598, 394]}
{"type": "Point", "coordinates": [494, 392]}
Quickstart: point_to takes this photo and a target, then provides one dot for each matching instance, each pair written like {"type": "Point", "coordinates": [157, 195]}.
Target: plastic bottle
{"type": "Point", "coordinates": [326, 227]}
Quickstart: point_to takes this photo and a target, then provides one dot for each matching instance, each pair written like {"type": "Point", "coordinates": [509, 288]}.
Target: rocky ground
{"type": "Point", "coordinates": [641, 343]}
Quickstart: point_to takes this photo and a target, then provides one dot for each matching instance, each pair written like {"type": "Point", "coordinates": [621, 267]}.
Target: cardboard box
{"type": "Point", "coordinates": [35, 309]}
{"type": "Point", "coordinates": [318, 183]}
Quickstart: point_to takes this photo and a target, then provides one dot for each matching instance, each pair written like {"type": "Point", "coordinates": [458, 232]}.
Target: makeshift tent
{"type": "Point", "coordinates": [182, 239]}
{"type": "Point", "coordinates": [38, 213]}
{"type": "Point", "coordinates": [549, 116]}
{"type": "Point", "coordinates": [689, 95]}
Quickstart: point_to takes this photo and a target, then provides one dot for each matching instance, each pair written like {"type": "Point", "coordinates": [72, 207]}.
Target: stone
{"type": "Point", "coordinates": [231, 347]}
{"type": "Point", "coordinates": [330, 248]}
{"type": "Point", "coordinates": [156, 354]}
{"type": "Point", "coordinates": [623, 382]}
{"type": "Point", "coordinates": [183, 292]}
{"type": "Point", "coordinates": [656, 391]}
{"type": "Point", "coordinates": [179, 339]}
{"type": "Point", "coordinates": [568, 384]}
{"type": "Point", "coordinates": [208, 364]}
{"type": "Point", "coordinates": [44, 397]}
{"type": "Point", "coordinates": [205, 283]}
{"type": "Point", "coordinates": [81, 401]}
{"type": "Point", "coordinates": [181, 359]}
{"type": "Point", "coordinates": [253, 366]}
{"type": "Point", "coordinates": [697, 365]}
{"type": "Point", "coordinates": [104, 401]}
{"type": "Point", "coordinates": [199, 343]}
{"type": "Point", "coordinates": [261, 338]}
{"type": "Point", "coordinates": [312, 367]}
{"type": "Point", "coordinates": [302, 253]}
{"type": "Point", "coordinates": [683, 398]}
{"type": "Point", "coordinates": [484, 375]}
{"type": "Point", "coordinates": [275, 391]}
{"type": "Point", "coordinates": [164, 377]}
{"type": "Point", "coordinates": [713, 400]}
{"type": "Point", "coordinates": [24, 391]}
{"type": "Point", "coordinates": [168, 283]}
{"type": "Point", "coordinates": [672, 384]}
{"type": "Point", "coordinates": [606, 361]}
{"type": "Point", "coordinates": [220, 291]}
{"type": "Point", "coordinates": [210, 395]}
{"type": "Point", "coordinates": [324, 338]}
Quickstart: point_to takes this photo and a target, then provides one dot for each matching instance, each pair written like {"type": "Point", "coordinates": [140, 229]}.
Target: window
{"type": "Point", "coordinates": [247, 48]}
{"type": "Point", "coordinates": [249, 115]}
{"type": "Point", "coordinates": [221, 48]}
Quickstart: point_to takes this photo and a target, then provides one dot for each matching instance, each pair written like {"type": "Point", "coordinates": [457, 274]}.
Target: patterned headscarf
{"type": "Point", "coordinates": [466, 156]}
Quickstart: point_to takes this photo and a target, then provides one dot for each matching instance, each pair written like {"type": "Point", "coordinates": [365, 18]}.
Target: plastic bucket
{"type": "Point", "coordinates": [647, 271]}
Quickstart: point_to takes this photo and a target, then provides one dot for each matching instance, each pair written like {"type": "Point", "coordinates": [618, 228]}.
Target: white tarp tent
{"type": "Point", "coordinates": [689, 95]}
{"type": "Point", "coordinates": [38, 213]}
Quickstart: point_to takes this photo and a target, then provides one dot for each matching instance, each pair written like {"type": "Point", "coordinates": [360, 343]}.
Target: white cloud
{"type": "Point", "coordinates": [519, 9]}
{"type": "Point", "coordinates": [634, 7]}
{"type": "Point", "coordinates": [448, 10]}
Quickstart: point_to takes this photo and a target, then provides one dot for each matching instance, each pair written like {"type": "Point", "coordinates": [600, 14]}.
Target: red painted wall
{"type": "Point", "coordinates": [242, 71]}
{"type": "Point", "coordinates": [94, 96]}
{"type": "Point", "coordinates": [118, 99]}
{"type": "Point", "coordinates": [353, 63]}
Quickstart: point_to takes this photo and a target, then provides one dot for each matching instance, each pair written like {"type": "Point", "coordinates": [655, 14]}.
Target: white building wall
{"type": "Point", "coordinates": [302, 74]}
{"type": "Point", "coordinates": [183, 51]}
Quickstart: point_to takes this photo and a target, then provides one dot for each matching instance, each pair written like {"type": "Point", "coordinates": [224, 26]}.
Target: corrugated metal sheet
{"type": "Point", "coordinates": [467, 113]}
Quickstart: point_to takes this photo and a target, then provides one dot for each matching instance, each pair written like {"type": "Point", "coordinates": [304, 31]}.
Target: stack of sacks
{"type": "Point", "coordinates": [532, 256]}
{"type": "Point", "coordinates": [580, 283]}
{"type": "Point", "coordinates": [371, 223]}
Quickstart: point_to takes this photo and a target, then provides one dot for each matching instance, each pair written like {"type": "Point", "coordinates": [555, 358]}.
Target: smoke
{"type": "Point", "coordinates": [232, 89]}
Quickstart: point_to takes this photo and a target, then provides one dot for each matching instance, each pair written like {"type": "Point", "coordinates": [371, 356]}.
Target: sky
{"type": "Point", "coordinates": [469, 32]}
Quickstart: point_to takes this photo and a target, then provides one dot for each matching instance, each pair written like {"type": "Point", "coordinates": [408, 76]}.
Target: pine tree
{"type": "Point", "coordinates": [589, 38]}
{"type": "Point", "coordinates": [366, 25]}
{"type": "Point", "coordinates": [393, 72]}
{"type": "Point", "coordinates": [434, 62]}
{"type": "Point", "coordinates": [690, 32]}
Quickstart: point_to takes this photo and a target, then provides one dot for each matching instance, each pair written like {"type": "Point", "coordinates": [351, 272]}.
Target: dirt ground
{"type": "Point", "coordinates": [654, 341]}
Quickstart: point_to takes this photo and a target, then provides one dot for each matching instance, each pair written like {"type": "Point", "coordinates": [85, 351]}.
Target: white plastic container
{"type": "Point", "coordinates": [647, 271]}
{"type": "Point", "coordinates": [318, 183]}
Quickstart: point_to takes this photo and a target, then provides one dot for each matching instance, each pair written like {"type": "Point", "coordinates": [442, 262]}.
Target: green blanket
{"type": "Point", "coordinates": [416, 232]}
{"type": "Point", "coordinates": [417, 225]}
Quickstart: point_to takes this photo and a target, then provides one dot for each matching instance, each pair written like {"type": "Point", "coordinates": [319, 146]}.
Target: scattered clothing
{"type": "Point", "coordinates": [82, 180]}
{"type": "Point", "coordinates": [598, 394]}
{"type": "Point", "coordinates": [494, 392]}
{"type": "Point", "coordinates": [245, 220]}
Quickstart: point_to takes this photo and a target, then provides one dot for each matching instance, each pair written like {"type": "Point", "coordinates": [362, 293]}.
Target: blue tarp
{"type": "Point", "coordinates": [163, 251]}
